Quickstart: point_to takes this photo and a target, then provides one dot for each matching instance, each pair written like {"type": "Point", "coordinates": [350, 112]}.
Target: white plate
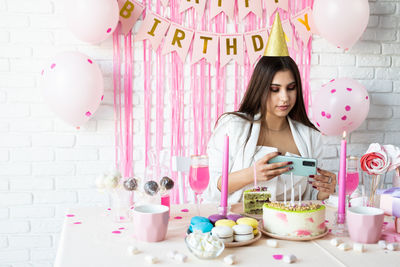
{"type": "Point", "coordinates": [243, 243]}
{"type": "Point", "coordinates": [291, 238]}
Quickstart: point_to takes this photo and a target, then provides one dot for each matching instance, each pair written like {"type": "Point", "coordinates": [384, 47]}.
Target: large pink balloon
{"type": "Point", "coordinates": [73, 87]}
{"type": "Point", "coordinates": [92, 21]}
{"type": "Point", "coordinates": [341, 105]}
{"type": "Point", "coordinates": [341, 22]}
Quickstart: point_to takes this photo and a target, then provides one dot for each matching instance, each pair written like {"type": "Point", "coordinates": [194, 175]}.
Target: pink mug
{"type": "Point", "coordinates": [365, 224]}
{"type": "Point", "coordinates": [150, 222]}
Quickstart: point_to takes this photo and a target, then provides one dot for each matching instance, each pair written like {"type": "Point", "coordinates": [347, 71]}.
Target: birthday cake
{"type": "Point", "coordinates": [254, 199]}
{"type": "Point", "coordinates": [307, 219]}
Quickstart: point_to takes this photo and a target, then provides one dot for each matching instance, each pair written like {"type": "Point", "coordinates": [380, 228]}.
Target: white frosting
{"type": "Point", "coordinates": [204, 244]}
{"type": "Point", "coordinates": [287, 223]}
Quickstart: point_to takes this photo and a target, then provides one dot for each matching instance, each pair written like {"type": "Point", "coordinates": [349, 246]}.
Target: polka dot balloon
{"type": "Point", "coordinates": [340, 105]}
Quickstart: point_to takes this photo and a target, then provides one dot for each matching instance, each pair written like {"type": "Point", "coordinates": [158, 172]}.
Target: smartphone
{"type": "Point", "coordinates": [301, 166]}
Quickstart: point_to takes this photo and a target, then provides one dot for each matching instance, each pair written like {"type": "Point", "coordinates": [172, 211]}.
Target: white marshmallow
{"type": "Point", "coordinates": [151, 259]}
{"type": "Point", "coordinates": [289, 258]}
{"type": "Point", "coordinates": [336, 242]}
{"type": "Point", "coordinates": [180, 257]}
{"type": "Point", "coordinates": [382, 244]}
{"type": "Point", "coordinates": [133, 250]}
{"type": "Point", "coordinates": [230, 259]}
{"type": "Point", "coordinates": [171, 254]}
{"type": "Point", "coordinates": [392, 246]}
{"type": "Point", "coordinates": [272, 243]}
{"type": "Point", "coordinates": [344, 246]}
{"type": "Point", "coordinates": [358, 247]}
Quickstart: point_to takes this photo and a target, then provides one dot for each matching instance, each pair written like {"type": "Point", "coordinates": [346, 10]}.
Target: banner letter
{"type": "Point", "coordinates": [206, 39]}
{"type": "Point", "coordinates": [233, 46]}
{"type": "Point", "coordinates": [260, 42]}
{"type": "Point", "coordinates": [177, 38]}
{"type": "Point", "coordinates": [156, 22]}
{"type": "Point", "coordinates": [127, 10]}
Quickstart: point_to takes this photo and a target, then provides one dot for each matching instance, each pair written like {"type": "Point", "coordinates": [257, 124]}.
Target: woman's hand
{"type": "Point", "coordinates": [325, 183]}
{"type": "Point", "coordinates": [266, 171]}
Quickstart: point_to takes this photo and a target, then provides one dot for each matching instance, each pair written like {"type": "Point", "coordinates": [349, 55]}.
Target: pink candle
{"type": "Point", "coordinates": [224, 182]}
{"type": "Point", "coordinates": [342, 181]}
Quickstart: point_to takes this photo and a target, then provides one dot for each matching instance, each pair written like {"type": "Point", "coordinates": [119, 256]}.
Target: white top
{"type": "Point", "coordinates": [307, 140]}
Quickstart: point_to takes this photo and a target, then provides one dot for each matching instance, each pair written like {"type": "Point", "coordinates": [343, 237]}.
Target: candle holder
{"type": "Point", "coordinates": [120, 204]}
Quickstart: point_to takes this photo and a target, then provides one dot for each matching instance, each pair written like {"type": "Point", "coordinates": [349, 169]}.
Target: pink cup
{"type": "Point", "coordinates": [365, 224]}
{"type": "Point", "coordinates": [150, 222]}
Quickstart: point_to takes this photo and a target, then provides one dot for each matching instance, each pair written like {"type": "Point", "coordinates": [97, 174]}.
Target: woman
{"type": "Point", "coordinates": [271, 121]}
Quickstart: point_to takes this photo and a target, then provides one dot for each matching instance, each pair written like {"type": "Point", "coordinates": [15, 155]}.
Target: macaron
{"type": "Point", "coordinates": [215, 217]}
{"type": "Point", "coordinates": [234, 217]}
{"type": "Point", "coordinates": [204, 227]}
{"type": "Point", "coordinates": [225, 222]}
{"type": "Point", "coordinates": [249, 221]}
{"type": "Point", "coordinates": [225, 233]}
{"type": "Point", "coordinates": [197, 219]}
{"type": "Point", "coordinates": [242, 232]}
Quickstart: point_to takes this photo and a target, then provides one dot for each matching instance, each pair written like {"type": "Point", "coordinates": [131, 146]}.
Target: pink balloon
{"type": "Point", "coordinates": [341, 105]}
{"type": "Point", "coordinates": [341, 22]}
{"type": "Point", "coordinates": [92, 21]}
{"type": "Point", "coordinates": [72, 87]}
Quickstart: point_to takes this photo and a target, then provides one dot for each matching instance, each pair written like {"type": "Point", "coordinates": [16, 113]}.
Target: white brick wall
{"type": "Point", "coordinates": [47, 166]}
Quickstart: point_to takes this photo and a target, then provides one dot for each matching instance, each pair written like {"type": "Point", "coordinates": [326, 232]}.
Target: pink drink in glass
{"type": "Point", "coordinates": [352, 181]}
{"type": "Point", "coordinates": [199, 178]}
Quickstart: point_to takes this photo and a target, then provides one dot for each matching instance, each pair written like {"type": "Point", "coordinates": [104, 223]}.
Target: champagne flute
{"type": "Point", "coordinates": [199, 176]}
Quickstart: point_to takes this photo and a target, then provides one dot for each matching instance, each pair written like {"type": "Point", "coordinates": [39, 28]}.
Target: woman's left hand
{"type": "Point", "coordinates": [325, 183]}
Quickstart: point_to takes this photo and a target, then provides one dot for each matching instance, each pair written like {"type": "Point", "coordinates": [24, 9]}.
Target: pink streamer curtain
{"type": "Point", "coordinates": [190, 124]}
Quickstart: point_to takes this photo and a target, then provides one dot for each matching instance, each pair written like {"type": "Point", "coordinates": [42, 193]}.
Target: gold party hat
{"type": "Point", "coordinates": [276, 45]}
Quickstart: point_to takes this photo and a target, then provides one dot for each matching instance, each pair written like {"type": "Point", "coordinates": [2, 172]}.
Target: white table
{"type": "Point", "coordinates": [92, 243]}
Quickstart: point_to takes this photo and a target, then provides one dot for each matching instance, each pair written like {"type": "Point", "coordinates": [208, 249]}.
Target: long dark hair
{"type": "Point", "coordinates": [255, 98]}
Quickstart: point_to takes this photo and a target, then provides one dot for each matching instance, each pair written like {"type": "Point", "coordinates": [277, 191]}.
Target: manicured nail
{"type": "Point", "coordinates": [279, 153]}
{"type": "Point", "coordinates": [311, 176]}
{"type": "Point", "coordinates": [290, 168]}
{"type": "Point", "coordinates": [318, 169]}
{"type": "Point", "coordinates": [290, 162]}
{"type": "Point", "coordinates": [314, 187]}
{"type": "Point", "coordinates": [309, 182]}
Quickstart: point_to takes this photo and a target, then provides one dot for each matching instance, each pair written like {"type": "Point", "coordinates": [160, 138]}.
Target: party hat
{"type": "Point", "coordinates": [276, 46]}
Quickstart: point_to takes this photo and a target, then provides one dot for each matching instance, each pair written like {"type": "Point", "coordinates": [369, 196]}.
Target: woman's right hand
{"type": "Point", "coordinates": [266, 171]}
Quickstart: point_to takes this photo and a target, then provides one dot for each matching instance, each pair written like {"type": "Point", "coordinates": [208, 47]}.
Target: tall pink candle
{"type": "Point", "coordinates": [342, 181]}
{"type": "Point", "coordinates": [224, 182]}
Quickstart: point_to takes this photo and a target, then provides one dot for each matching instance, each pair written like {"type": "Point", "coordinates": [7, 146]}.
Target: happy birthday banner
{"type": "Point", "coordinates": [156, 28]}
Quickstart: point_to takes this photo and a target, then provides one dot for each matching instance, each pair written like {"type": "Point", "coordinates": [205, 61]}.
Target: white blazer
{"type": "Point", "coordinates": [308, 142]}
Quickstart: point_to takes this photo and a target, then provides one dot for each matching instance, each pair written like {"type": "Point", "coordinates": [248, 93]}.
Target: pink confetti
{"type": "Point", "coordinates": [366, 97]}
{"type": "Point", "coordinates": [349, 89]}
{"type": "Point", "coordinates": [178, 217]}
{"type": "Point", "coordinates": [326, 221]}
{"type": "Point", "coordinates": [121, 217]}
{"type": "Point", "coordinates": [88, 114]}
{"type": "Point", "coordinates": [385, 223]}
{"type": "Point", "coordinates": [278, 256]}
{"type": "Point", "coordinates": [102, 97]}
{"type": "Point", "coordinates": [185, 210]}
{"type": "Point", "coordinates": [77, 222]}
{"type": "Point", "coordinates": [333, 91]}
{"type": "Point", "coordinates": [108, 209]}
{"type": "Point", "coordinates": [116, 232]}
{"type": "Point", "coordinates": [108, 30]}
{"type": "Point", "coordinates": [328, 116]}
{"type": "Point", "coordinates": [318, 124]}
{"type": "Point", "coordinates": [42, 72]}
{"type": "Point", "coordinates": [332, 80]}
{"type": "Point", "coordinates": [53, 66]}
{"type": "Point", "coordinates": [330, 230]}
{"type": "Point", "coordinates": [344, 118]}
{"type": "Point", "coordinates": [70, 215]}
{"type": "Point", "coordinates": [347, 108]}
{"type": "Point", "coordinates": [121, 228]}
{"type": "Point", "coordinates": [323, 113]}
{"type": "Point", "coordinates": [90, 61]}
